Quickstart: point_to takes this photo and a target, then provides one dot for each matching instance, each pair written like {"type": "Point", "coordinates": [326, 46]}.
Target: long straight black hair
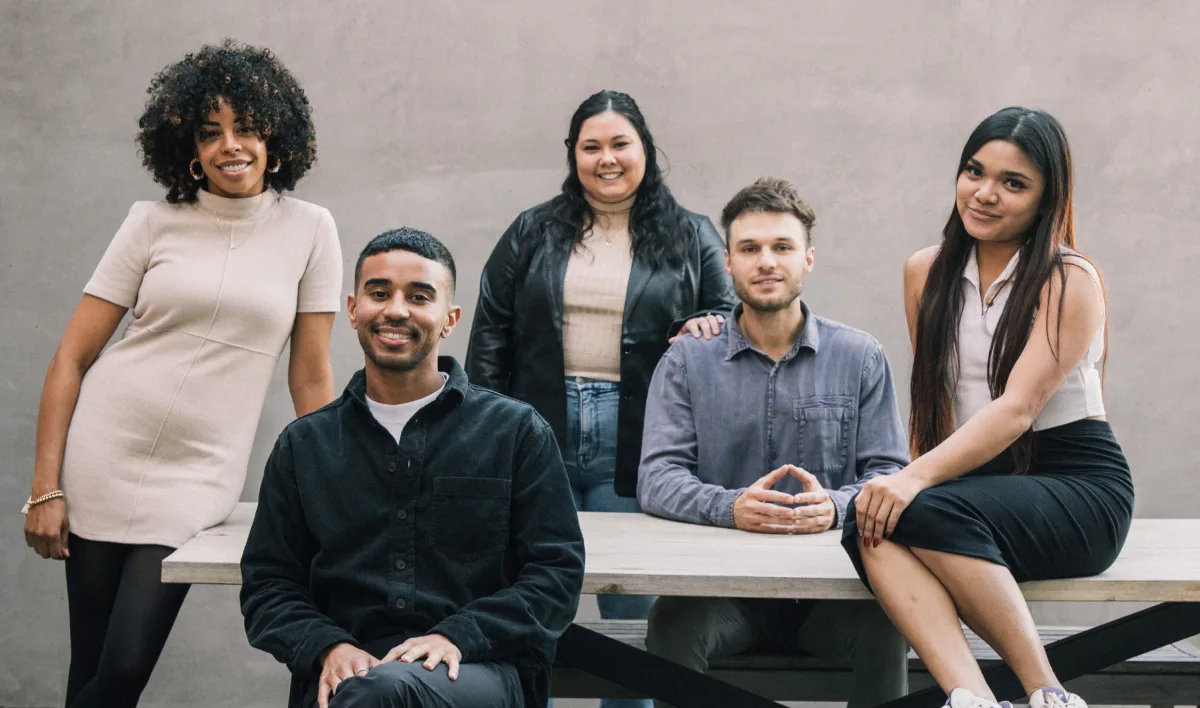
{"type": "Point", "coordinates": [935, 352]}
{"type": "Point", "coordinates": [659, 228]}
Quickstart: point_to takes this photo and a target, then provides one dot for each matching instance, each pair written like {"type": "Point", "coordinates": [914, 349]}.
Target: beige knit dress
{"type": "Point", "coordinates": [159, 442]}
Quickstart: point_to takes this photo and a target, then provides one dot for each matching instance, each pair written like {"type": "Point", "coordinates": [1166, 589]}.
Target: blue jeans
{"type": "Point", "coordinates": [590, 455]}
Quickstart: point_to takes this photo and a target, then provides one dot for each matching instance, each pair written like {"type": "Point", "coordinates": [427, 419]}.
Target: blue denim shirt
{"type": "Point", "coordinates": [722, 414]}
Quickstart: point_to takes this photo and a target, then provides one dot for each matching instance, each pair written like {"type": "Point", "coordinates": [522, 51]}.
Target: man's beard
{"type": "Point", "coordinates": [767, 306]}
{"type": "Point", "coordinates": [396, 362]}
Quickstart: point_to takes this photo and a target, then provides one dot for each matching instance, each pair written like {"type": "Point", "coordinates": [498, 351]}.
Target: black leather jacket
{"type": "Point", "coordinates": [516, 337]}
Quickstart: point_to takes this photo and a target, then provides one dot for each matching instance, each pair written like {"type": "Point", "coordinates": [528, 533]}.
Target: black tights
{"type": "Point", "coordinates": [121, 614]}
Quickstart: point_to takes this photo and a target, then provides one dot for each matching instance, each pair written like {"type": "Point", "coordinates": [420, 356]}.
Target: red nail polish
{"type": "Point", "coordinates": [877, 543]}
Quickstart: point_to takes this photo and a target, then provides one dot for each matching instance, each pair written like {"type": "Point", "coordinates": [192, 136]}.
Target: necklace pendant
{"type": "Point", "coordinates": [608, 241]}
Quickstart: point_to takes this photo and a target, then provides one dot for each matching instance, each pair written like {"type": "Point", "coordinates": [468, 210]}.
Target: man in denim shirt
{"type": "Point", "coordinates": [772, 426]}
{"type": "Point", "coordinates": [416, 544]}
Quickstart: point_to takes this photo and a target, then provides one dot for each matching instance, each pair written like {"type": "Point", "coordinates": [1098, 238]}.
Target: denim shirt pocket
{"type": "Point", "coordinates": [824, 434]}
{"type": "Point", "coordinates": [470, 516]}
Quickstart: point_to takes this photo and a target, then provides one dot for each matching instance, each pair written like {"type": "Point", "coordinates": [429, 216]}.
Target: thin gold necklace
{"type": "Point", "coordinates": [608, 239]}
{"type": "Point", "coordinates": [229, 238]}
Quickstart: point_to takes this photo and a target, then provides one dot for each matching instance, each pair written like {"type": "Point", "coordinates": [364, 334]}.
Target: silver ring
{"type": "Point", "coordinates": [361, 669]}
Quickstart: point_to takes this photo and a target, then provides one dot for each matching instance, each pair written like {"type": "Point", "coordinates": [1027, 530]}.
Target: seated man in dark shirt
{"type": "Point", "coordinates": [416, 543]}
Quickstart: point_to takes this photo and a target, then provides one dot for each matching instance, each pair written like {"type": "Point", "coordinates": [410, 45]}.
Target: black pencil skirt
{"type": "Point", "coordinates": [1068, 517]}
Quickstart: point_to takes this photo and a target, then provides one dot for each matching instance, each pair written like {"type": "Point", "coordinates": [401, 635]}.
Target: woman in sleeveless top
{"type": "Point", "coordinates": [145, 443]}
{"type": "Point", "coordinates": [1016, 475]}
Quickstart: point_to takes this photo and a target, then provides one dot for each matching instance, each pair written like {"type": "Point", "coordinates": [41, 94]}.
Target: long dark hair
{"type": "Point", "coordinates": [658, 227]}
{"type": "Point", "coordinates": [935, 352]}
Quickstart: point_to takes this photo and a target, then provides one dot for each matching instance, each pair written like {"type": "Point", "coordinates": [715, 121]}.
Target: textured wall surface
{"type": "Point", "coordinates": [450, 116]}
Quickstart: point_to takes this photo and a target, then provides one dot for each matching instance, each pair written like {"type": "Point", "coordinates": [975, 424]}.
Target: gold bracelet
{"type": "Point", "coordinates": [56, 494]}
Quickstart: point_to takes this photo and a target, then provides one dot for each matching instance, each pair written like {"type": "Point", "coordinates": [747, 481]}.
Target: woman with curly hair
{"type": "Point", "coordinates": [581, 295]}
{"type": "Point", "coordinates": [145, 444]}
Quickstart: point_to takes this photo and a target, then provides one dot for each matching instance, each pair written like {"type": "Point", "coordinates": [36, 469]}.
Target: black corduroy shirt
{"type": "Point", "coordinates": [466, 528]}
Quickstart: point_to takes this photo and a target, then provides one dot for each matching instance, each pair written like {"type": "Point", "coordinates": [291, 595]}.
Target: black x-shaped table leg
{"type": "Point", "coordinates": [1087, 652]}
{"type": "Point", "coordinates": [652, 676]}
{"type": "Point", "coordinates": [1072, 657]}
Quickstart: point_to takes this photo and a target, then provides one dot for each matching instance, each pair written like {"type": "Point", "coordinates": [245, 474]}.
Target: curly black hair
{"type": "Point", "coordinates": [262, 93]}
{"type": "Point", "coordinates": [658, 226]}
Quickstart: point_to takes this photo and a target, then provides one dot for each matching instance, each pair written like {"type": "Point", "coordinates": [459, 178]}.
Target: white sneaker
{"type": "Point", "coordinates": [963, 698]}
{"type": "Point", "coordinates": [1055, 698]}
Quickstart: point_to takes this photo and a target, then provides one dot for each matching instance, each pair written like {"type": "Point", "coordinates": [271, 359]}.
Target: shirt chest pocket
{"type": "Point", "coordinates": [470, 516]}
{"type": "Point", "coordinates": [824, 431]}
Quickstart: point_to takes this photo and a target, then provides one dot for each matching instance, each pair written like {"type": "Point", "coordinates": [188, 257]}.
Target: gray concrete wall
{"type": "Point", "coordinates": [449, 116]}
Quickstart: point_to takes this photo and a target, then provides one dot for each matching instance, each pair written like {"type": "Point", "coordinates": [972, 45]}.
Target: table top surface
{"type": "Point", "coordinates": [637, 554]}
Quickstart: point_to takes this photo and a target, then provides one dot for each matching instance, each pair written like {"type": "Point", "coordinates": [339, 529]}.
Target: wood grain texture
{"type": "Point", "coordinates": [641, 555]}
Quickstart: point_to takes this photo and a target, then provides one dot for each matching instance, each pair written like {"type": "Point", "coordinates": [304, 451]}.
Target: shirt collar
{"type": "Point", "coordinates": [452, 393]}
{"type": "Point", "coordinates": [971, 271]}
{"type": "Point", "coordinates": [810, 334]}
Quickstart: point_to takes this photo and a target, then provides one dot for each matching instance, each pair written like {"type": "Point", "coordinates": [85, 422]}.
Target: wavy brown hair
{"type": "Point", "coordinates": [935, 351]}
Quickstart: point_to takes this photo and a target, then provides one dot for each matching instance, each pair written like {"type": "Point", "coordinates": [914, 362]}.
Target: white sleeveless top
{"type": "Point", "coordinates": [1079, 395]}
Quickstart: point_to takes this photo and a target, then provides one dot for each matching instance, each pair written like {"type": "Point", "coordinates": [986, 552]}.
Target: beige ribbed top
{"type": "Point", "coordinates": [158, 445]}
{"type": "Point", "coordinates": [594, 294]}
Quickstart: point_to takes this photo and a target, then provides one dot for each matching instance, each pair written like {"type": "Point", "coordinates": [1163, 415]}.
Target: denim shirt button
{"type": "Point", "coordinates": [402, 514]}
{"type": "Point", "coordinates": [399, 604]}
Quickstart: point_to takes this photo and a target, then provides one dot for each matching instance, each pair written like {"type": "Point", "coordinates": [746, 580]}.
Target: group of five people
{"type": "Point", "coordinates": [416, 541]}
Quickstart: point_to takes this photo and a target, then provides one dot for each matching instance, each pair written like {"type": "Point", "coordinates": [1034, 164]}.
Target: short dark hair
{"type": "Point", "coordinates": [262, 93]}
{"type": "Point", "coordinates": [412, 240]}
{"type": "Point", "coordinates": [768, 194]}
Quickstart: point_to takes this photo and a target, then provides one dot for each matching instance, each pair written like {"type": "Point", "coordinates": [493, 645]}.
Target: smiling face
{"type": "Point", "coordinates": [233, 155]}
{"type": "Point", "coordinates": [768, 258]}
{"type": "Point", "coordinates": [999, 192]}
{"type": "Point", "coordinates": [402, 307]}
{"type": "Point", "coordinates": [610, 158]}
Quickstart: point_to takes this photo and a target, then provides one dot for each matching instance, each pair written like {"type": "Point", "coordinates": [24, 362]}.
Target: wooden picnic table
{"type": "Point", "coordinates": [638, 554]}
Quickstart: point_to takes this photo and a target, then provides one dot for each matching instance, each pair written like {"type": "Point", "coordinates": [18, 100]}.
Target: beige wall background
{"type": "Point", "coordinates": [449, 116]}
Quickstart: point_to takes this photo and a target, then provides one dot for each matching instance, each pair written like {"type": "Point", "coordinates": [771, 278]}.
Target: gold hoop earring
{"type": "Point", "coordinates": [278, 164]}
{"type": "Point", "coordinates": [192, 169]}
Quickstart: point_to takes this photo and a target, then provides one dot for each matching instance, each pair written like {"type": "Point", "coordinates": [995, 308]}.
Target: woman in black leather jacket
{"type": "Point", "coordinates": [582, 294]}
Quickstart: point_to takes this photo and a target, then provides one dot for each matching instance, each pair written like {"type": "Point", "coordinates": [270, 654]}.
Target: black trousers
{"type": "Point", "coordinates": [400, 685]}
{"type": "Point", "coordinates": [121, 614]}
